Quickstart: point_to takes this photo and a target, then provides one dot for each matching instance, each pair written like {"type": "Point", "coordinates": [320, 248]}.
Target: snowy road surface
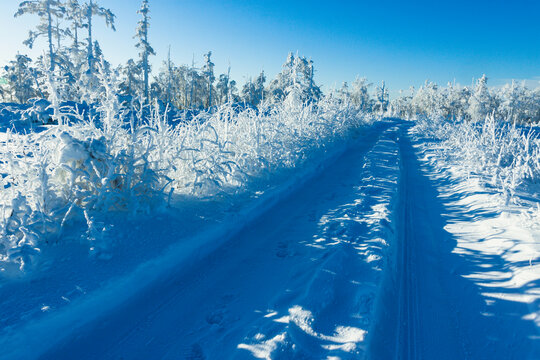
{"type": "Point", "coordinates": [370, 258]}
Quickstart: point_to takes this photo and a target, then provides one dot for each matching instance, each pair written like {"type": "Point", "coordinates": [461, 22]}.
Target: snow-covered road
{"type": "Point", "coordinates": [300, 281]}
{"type": "Point", "coordinates": [370, 258]}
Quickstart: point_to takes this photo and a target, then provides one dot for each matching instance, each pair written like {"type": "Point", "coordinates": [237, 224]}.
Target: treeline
{"type": "Point", "coordinates": [74, 62]}
{"type": "Point", "coordinates": [513, 102]}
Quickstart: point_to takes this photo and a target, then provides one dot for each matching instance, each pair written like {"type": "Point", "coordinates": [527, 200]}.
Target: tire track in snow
{"type": "Point", "coordinates": [408, 319]}
{"type": "Point", "coordinates": [426, 309]}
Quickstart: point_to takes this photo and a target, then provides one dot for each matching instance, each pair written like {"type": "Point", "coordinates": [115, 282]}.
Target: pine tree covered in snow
{"type": "Point", "coordinates": [297, 74]}
{"type": "Point", "coordinates": [382, 99]}
{"type": "Point", "coordinates": [226, 88]}
{"type": "Point", "coordinates": [89, 11]}
{"type": "Point", "coordinates": [249, 92]}
{"type": "Point", "coordinates": [208, 73]}
{"type": "Point", "coordinates": [21, 79]}
{"type": "Point", "coordinates": [513, 102]}
{"type": "Point", "coordinates": [132, 82]}
{"type": "Point", "coordinates": [480, 101]}
{"type": "Point", "coordinates": [145, 50]}
{"type": "Point", "coordinates": [360, 94]}
{"type": "Point", "coordinates": [253, 92]}
{"type": "Point", "coordinates": [75, 15]}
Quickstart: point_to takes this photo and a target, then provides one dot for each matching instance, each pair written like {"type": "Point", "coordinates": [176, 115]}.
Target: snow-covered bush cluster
{"type": "Point", "coordinates": [501, 154]}
{"type": "Point", "coordinates": [513, 102]}
{"type": "Point", "coordinates": [134, 160]}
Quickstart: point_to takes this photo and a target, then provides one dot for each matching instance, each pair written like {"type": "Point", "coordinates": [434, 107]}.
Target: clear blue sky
{"type": "Point", "coordinates": [402, 42]}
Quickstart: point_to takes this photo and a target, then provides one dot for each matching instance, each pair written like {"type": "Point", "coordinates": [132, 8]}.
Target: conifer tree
{"type": "Point", "coordinates": [131, 73]}
{"type": "Point", "coordinates": [89, 10]}
{"type": "Point", "coordinates": [21, 77]}
{"type": "Point", "coordinates": [208, 72]}
{"type": "Point", "coordinates": [383, 98]}
{"type": "Point", "coordinates": [145, 50]}
{"type": "Point", "coordinates": [76, 17]}
{"type": "Point", "coordinates": [259, 87]}
{"type": "Point", "coordinates": [480, 100]}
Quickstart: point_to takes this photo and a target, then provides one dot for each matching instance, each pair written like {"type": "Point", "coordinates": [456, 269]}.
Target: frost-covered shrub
{"type": "Point", "coordinates": [133, 159]}
{"type": "Point", "coordinates": [505, 155]}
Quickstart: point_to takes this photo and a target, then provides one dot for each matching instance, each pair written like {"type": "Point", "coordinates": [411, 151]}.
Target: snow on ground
{"type": "Point", "coordinates": [502, 234]}
{"type": "Point", "coordinates": [301, 279]}
{"type": "Point", "coordinates": [434, 306]}
{"type": "Point", "coordinates": [64, 296]}
{"type": "Point", "coordinates": [386, 251]}
{"type": "Point", "coordinates": [468, 272]}
{"type": "Point", "coordinates": [497, 244]}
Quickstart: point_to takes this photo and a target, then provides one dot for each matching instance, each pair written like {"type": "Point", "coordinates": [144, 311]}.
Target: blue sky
{"type": "Point", "coordinates": [402, 42]}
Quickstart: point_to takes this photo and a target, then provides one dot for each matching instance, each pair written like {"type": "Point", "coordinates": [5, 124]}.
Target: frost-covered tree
{"type": "Point", "coordinates": [75, 15]}
{"type": "Point", "coordinates": [248, 92]}
{"type": "Point", "coordinates": [455, 101]}
{"type": "Point", "coordinates": [145, 50]}
{"type": "Point", "coordinates": [89, 11]}
{"type": "Point", "coordinates": [297, 73]}
{"type": "Point", "coordinates": [208, 73]}
{"type": "Point", "coordinates": [188, 87]}
{"type": "Point", "coordinates": [253, 91]}
{"type": "Point", "coordinates": [480, 102]}
{"type": "Point", "coordinates": [305, 73]}
{"type": "Point", "coordinates": [170, 84]}
{"type": "Point", "coordinates": [283, 80]}
{"type": "Point", "coordinates": [259, 88]}
{"type": "Point", "coordinates": [226, 88]}
{"type": "Point", "coordinates": [169, 78]}
{"type": "Point", "coordinates": [184, 78]}
{"type": "Point", "coordinates": [360, 94]}
{"type": "Point", "coordinates": [401, 106]}
{"type": "Point", "coordinates": [21, 79]}
{"type": "Point", "coordinates": [343, 93]}
{"type": "Point", "coordinates": [222, 89]}
{"type": "Point", "coordinates": [131, 82]}
{"type": "Point", "coordinates": [49, 13]}
{"type": "Point", "coordinates": [427, 100]}
{"type": "Point", "coordinates": [382, 98]}
{"type": "Point", "coordinates": [515, 102]}
{"type": "Point", "coordinates": [98, 55]}
{"type": "Point", "coordinates": [511, 97]}
{"type": "Point", "coordinates": [198, 88]}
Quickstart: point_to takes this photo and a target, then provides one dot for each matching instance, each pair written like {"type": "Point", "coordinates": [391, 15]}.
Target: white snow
{"type": "Point", "coordinates": [387, 246]}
